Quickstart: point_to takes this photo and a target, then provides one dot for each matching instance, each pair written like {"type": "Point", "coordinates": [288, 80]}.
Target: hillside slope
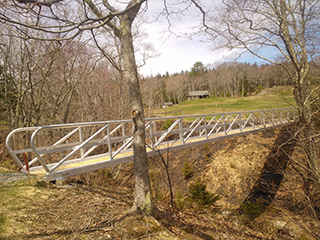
{"type": "Point", "coordinates": [96, 205]}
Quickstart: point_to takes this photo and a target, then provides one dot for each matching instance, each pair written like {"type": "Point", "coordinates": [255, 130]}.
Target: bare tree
{"type": "Point", "coordinates": [40, 78]}
{"type": "Point", "coordinates": [65, 19]}
{"type": "Point", "coordinates": [176, 88]}
{"type": "Point", "coordinates": [288, 28]}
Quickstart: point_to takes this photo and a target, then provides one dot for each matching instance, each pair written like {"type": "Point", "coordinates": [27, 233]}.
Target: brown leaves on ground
{"type": "Point", "coordinates": [46, 211]}
{"type": "Point", "coordinates": [97, 206]}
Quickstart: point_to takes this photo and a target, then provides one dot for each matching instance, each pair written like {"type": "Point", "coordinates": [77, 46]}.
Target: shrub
{"type": "Point", "coordinates": [259, 89]}
{"type": "Point", "coordinates": [155, 180]}
{"type": "Point", "coordinates": [179, 200]}
{"type": "Point", "coordinates": [166, 124]}
{"type": "Point", "coordinates": [207, 152]}
{"type": "Point", "coordinates": [198, 195]}
{"type": "Point", "coordinates": [206, 148]}
{"type": "Point", "coordinates": [2, 222]}
{"type": "Point", "coordinates": [232, 165]}
{"type": "Point", "coordinates": [252, 209]}
{"type": "Point", "coordinates": [187, 170]}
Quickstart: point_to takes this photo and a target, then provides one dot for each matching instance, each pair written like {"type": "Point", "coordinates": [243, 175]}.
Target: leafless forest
{"type": "Point", "coordinates": [64, 61]}
{"type": "Point", "coordinates": [48, 82]}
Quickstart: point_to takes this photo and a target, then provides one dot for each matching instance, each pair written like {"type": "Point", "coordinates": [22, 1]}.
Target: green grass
{"type": "Point", "coordinates": [3, 124]}
{"type": "Point", "coordinates": [2, 222]}
{"type": "Point", "coordinates": [4, 170]}
{"type": "Point", "coordinates": [282, 99]}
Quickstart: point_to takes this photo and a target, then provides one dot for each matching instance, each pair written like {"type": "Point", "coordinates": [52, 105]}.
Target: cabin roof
{"type": "Point", "coordinates": [198, 93]}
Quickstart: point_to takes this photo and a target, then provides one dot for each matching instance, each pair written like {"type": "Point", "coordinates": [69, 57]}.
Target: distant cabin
{"type": "Point", "coordinates": [197, 95]}
{"type": "Point", "coordinates": [167, 104]}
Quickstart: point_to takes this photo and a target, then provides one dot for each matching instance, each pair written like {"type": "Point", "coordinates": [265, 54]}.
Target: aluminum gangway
{"type": "Point", "coordinates": [58, 151]}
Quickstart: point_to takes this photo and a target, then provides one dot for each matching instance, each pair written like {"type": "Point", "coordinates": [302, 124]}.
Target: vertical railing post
{"type": "Point", "coordinates": [261, 119]}
{"type": "Point", "coordinates": [205, 127]}
{"type": "Point", "coordinates": [81, 140]}
{"type": "Point", "coordinates": [181, 130]}
{"type": "Point", "coordinates": [224, 124]}
{"type": "Point", "coordinates": [151, 135]}
{"type": "Point", "coordinates": [273, 117]}
{"type": "Point", "coordinates": [155, 130]}
{"type": "Point", "coordinates": [109, 142]}
{"type": "Point", "coordinates": [200, 126]}
{"type": "Point", "coordinates": [253, 121]}
{"type": "Point", "coordinates": [240, 122]}
{"type": "Point", "coordinates": [123, 131]}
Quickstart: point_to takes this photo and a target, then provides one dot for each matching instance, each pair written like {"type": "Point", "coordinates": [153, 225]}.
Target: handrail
{"type": "Point", "coordinates": [15, 158]}
{"type": "Point", "coordinates": [194, 129]}
{"type": "Point", "coordinates": [215, 125]}
{"type": "Point", "coordinates": [234, 120]}
{"type": "Point", "coordinates": [94, 147]}
{"type": "Point", "coordinates": [168, 131]}
{"type": "Point", "coordinates": [66, 157]}
{"type": "Point", "coordinates": [57, 143]}
{"type": "Point", "coordinates": [205, 126]}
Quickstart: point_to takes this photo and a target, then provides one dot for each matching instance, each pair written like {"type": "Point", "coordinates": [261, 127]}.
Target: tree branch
{"type": "Point", "coordinates": [47, 3]}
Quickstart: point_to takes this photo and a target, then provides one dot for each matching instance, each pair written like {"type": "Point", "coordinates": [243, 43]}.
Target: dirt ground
{"type": "Point", "coordinates": [96, 205]}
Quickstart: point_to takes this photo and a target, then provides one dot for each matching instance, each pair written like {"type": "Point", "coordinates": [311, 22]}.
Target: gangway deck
{"type": "Point", "coordinates": [60, 151]}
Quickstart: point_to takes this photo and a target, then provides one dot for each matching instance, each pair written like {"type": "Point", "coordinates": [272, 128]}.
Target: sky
{"type": "Point", "coordinates": [179, 53]}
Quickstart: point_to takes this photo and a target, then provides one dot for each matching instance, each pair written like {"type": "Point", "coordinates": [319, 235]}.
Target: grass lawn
{"type": "Point", "coordinates": [283, 99]}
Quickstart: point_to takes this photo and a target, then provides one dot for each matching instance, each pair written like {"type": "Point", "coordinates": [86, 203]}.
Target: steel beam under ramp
{"type": "Point", "coordinates": [59, 151]}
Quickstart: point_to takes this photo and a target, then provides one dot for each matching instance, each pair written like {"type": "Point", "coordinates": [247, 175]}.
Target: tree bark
{"type": "Point", "coordinates": [302, 93]}
{"type": "Point", "coordinates": [142, 202]}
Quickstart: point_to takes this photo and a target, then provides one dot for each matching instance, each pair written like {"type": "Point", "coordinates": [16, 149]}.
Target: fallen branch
{"type": "Point", "coordinates": [2, 150]}
{"type": "Point", "coordinates": [54, 214]}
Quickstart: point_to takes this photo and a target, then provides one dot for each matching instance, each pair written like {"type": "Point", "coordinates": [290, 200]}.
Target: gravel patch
{"type": "Point", "coordinates": [11, 177]}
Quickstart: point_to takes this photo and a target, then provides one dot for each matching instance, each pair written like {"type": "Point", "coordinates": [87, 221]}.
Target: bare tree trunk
{"type": "Point", "coordinates": [142, 200]}
{"type": "Point", "coordinates": [307, 130]}
{"type": "Point", "coordinates": [302, 93]}
{"type": "Point", "coordinates": [66, 113]}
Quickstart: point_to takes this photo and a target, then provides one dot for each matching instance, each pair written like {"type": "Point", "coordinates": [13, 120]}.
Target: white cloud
{"type": "Point", "coordinates": [178, 53]}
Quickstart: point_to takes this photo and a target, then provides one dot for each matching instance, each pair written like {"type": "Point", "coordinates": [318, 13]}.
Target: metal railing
{"type": "Point", "coordinates": [50, 147]}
